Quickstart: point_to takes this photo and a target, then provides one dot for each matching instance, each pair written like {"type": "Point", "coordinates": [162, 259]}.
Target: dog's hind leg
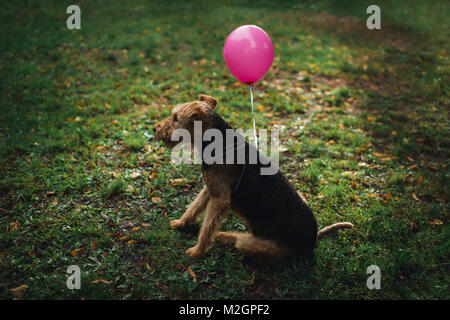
{"type": "Point", "coordinates": [193, 211]}
{"type": "Point", "coordinates": [259, 249]}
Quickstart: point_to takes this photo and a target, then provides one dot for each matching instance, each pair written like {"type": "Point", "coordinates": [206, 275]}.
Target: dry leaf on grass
{"type": "Point", "coordinates": [192, 274]}
{"type": "Point", "coordinates": [156, 199]}
{"type": "Point", "coordinates": [74, 253]}
{"type": "Point", "coordinates": [101, 280]}
{"type": "Point", "coordinates": [176, 182]}
{"type": "Point", "coordinates": [180, 267]}
{"type": "Point", "coordinates": [13, 226]}
{"type": "Point", "coordinates": [18, 292]}
{"type": "Point", "coordinates": [378, 154]}
{"type": "Point", "coordinates": [135, 175]}
{"type": "Point", "coordinates": [436, 222]}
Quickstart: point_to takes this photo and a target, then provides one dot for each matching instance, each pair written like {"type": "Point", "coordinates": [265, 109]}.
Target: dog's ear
{"type": "Point", "coordinates": [212, 102]}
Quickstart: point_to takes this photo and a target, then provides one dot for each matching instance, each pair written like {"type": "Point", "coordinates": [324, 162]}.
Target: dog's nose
{"type": "Point", "coordinates": [154, 129]}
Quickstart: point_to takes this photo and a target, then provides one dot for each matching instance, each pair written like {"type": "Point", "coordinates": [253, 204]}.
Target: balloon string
{"type": "Point", "coordinates": [253, 116]}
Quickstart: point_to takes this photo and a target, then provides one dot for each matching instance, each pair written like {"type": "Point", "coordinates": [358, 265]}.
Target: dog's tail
{"type": "Point", "coordinates": [333, 227]}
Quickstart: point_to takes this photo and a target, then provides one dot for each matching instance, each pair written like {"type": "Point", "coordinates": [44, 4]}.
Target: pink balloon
{"type": "Point", "coordinates": [248, 53]}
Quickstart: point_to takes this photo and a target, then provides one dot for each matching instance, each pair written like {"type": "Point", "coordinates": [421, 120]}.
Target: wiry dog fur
{"type": "Point", "coordinates": [281, 223]}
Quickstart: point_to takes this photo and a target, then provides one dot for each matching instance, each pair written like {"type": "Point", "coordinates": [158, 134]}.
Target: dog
{"type": "Point", "coordinates": [281, 224]}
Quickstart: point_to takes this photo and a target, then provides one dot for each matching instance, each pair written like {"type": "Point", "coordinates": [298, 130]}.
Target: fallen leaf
{"type": "Point", "coordinates": [415, 197]}
{"type": "Point", "coordinates": [18, 292]}
{"type": "Point", "coordinates": [176, 182]}
{"type": "Point", "coordinates": [192, 274]}
{"type": "Point", "coordinates": [249, 283]}
{"type": "Point", "coordinates": [419, 180]}
{"type": "Point", "coordinates": [387, 196]}
{"type": "Point", "coordinates": [101, 280]}
{"type": "Point", "coordinates": [74, 253]}
{"type": "Point", "coordinates": [378, 154]}
{"type": "Point", "coordinates": [94, 244]}
{"type": "Point", "coordinates": [13, 226]}
{"type": "Point", "coordinates": [436, 222]}
{"type": "Point", "coordinates": [156, 199]}
{"type": "Point", "coordinates": [180, 267]}
{"type": "Point", "coordinates": [135, 175]}
{"type": "Point", "coordinates": [135, 229]}
{"type": "Point", "coordinates": [132, 241]}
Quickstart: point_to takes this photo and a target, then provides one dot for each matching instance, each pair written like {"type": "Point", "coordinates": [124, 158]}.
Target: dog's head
{"type": "Point", "coordinates": [183, 117]}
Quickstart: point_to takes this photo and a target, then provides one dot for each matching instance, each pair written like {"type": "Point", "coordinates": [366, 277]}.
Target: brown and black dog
{"type": "Point", "coordinates": [281, 223]}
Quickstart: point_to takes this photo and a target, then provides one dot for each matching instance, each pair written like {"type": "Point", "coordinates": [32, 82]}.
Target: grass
{"type": "Point", "coordinates": [364, 119]}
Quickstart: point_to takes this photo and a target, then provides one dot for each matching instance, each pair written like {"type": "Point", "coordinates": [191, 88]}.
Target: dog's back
{"type": "Point", "coordinates": [269, 203]}
{"type": "Point", "coordinates": [274, 210]}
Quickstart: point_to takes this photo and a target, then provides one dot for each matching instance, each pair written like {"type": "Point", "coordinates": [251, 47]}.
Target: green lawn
{"type": "Point", "coordinates": [365, 123]}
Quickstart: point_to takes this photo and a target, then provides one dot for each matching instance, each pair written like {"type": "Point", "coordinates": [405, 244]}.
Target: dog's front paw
{"type": "Point", "coordinates": [176, 224]}
{"type": "Point", "coordinates": [194, 252]}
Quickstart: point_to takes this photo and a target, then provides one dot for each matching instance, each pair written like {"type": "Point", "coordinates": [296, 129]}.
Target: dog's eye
{"type": "Point", "coordinates": [175, 117]}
